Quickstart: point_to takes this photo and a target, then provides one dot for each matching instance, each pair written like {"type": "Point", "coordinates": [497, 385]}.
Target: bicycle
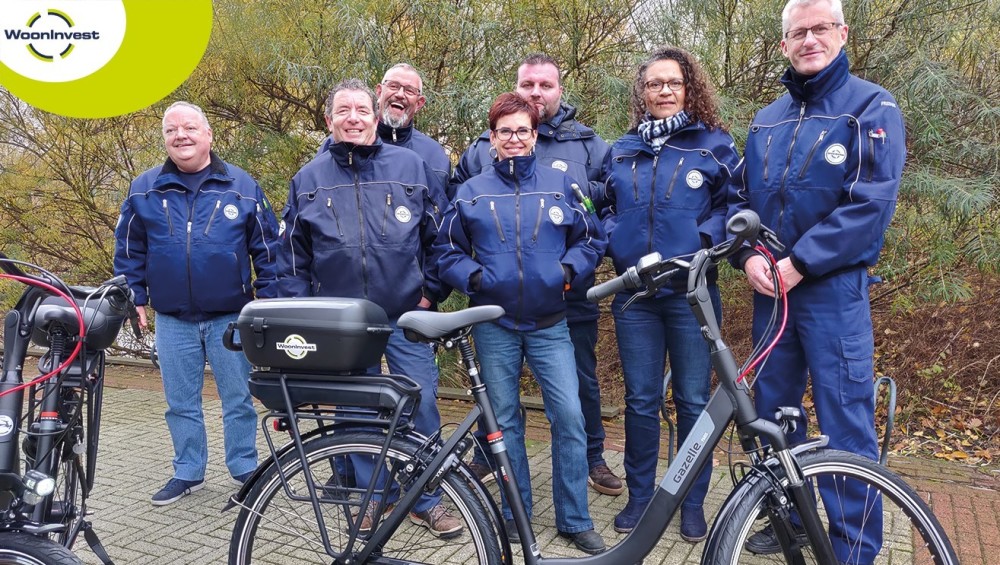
{"type": "Point", "coordinates": [297, 506]}
{"type": "Point", "coordinates": [46, 478]}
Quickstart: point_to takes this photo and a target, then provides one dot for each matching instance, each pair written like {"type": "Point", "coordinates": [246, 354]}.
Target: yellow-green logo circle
{"type": "Point", "coordinates": [100, 58]}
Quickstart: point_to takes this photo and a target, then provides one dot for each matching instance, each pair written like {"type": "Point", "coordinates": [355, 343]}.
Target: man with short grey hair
{"type": "Point", "coordinates": [185, 239]}
{"type": "Point", "coordinates": [822, 167]}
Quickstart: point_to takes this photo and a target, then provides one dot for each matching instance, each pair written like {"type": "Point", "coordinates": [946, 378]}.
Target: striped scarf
{"type": "Point", "coordinates": [656, 132]}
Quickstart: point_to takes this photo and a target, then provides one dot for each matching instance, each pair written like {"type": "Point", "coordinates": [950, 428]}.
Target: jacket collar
{"type": "Point", "coordinates": [347, 154]}
{"type": "Point", "coordinates": [810, 88]}
{"type": "Point", "coordinates": [395, 136]}
{"type": "Point", "coordinates": [522, 168]}
{"type": "Point", "coordinates": [632, 139]}
{"type": "Point", "coordinates": [170, 174]}
{"type": "Point", "coordinates": [563, 126]}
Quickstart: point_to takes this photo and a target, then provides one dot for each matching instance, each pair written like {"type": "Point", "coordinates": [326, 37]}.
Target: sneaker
{"type": "Point", "coordinates": [587, 541]}
{"type": "Point", "coordinates": [483, 472]}
{"type": "Point", "coordinates": [626, 520]}
{"type": "Point", "coordinates": [439, 521]}
{"type": "Point", "coordinates": [693, 526]}
{"type": "Point", "coordinates": [512, 534]}
{"type": "Point", "coordinates": [369, 518]}
{"type": "Point", "coordinates": [765, 542]}
{"type": "Point", "coordinates": [604, 481]}
{"type": "Point", "coordinates": [176, 489]}
{"type": "Point", "coordinates": [240, 480]}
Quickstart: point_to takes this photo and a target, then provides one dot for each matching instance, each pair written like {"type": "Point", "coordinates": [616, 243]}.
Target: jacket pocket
{"type": "Point", "coordinates": [857, 367]}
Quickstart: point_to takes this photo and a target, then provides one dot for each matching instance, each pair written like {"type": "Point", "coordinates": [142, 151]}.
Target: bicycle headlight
{"type": "Point", "coordinates": [39, 483]}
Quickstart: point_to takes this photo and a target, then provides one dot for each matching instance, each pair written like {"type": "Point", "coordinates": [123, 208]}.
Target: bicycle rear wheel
{"type": "Point", "coordinates": [273, 527]}
{"type": "Point", "coordinates": [888, 522]}
{"type": "Point", "coordinates": [25, 549]}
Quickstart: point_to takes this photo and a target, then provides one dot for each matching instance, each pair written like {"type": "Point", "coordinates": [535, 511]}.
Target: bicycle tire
{"type": "Point", "coordinates": [68, 496]}
{"type": "Point", "coordinates": [273, 528]}
{"type": "Point", "coordinates": [18, 548]}
{"type": "Point", "coordinates": [910, 533]}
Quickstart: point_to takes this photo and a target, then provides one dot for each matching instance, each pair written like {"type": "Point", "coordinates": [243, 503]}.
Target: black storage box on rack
{"type": "Point", "coordinates": [313, 335]}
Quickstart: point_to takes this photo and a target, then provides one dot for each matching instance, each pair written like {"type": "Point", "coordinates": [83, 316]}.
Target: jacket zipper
{"type": "Point", "coordinates": [517, 235]}
{"type": "Point", "coordinates": [336, 218]}
{"type": "Point", "coordinates": [635, 183]}
{"type": "Point", "coordinates": [212, 217]}
{"type": "Point", "coordinates": [170, 223]}
{"type": "Point", "coordinates": [652, 203]}
{"type": "Point", "coordinates": [788, 164]}
{"type": "Point", "coordinates": [242, 285]}
{"type": "Point", "coordinates": [496, 219]}
{"type": "Point", "coordinates": [767, 152]}
{"type": "Point", "coordinates": [385, 214]}
{"type": "Point", "coordinates": [812, 151]}
{"type": "Point", "coordinates": [361, 224]}
{"type": "Point", "coordinates": [673, 179]}
{"type": "Point", "coordinates": [538, 222]}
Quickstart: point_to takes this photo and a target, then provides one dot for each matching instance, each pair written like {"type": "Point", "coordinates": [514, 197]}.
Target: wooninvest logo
{"type": "Point", "coordinates": [100, 58]}
{"type": "Point", "coordinates": [60, 41]}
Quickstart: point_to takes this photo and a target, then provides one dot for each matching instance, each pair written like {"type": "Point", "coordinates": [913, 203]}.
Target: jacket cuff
{"type": "Point", "coordinates": [799, 266]}
{"type": "Point", "coordinates": [741, 257]}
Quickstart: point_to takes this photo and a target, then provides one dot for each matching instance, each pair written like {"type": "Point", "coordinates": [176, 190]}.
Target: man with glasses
{"type": "Point", "coordinates": [360, 222]}
{"type": "Point", "coordinates": [400, 97]}
{"type": "Point", "coordinates": [566, 145]}
{"type": "Point", "coordinates": [822, 167]}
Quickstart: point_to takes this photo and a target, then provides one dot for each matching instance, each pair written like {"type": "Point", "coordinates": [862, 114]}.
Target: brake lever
{"type": "Point", "coordinates": [771, 239]}
{"type": "Point", "coordinates": [641, 294]}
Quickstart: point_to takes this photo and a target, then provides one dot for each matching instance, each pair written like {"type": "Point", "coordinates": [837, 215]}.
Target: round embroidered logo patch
{"type": "Point", "coordinates": [695, 179]}
{"type": "Point", "coordinates": [231, 211]}
{"type": "Point", "coordinates": [403, 214]}
{"type": "Point", "coordinates": [561, 165]}
{"type": "Point", "coordinates": [556, 215]}
{"type": "Point", "coordinates": [835, 154]}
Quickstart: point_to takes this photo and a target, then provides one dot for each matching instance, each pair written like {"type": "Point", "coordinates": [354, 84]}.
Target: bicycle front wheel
{"type": "Point", "coordinates": [24, 549]}
{"type": "Point", "coordinates": [872, 516]}
{"type": "Point", "coordinates": [277, 526]}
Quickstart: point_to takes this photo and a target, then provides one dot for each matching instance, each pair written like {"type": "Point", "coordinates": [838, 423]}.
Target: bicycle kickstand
{"type": "Point", "coordinates": [95, 544]}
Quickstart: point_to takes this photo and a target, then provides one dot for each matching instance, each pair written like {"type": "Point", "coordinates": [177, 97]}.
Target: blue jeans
{"type": "Point", "coordinates": [829, 339]}
{"type": "Point", "coordinates": [648, 331]}
{"type": "Point", "coordinates": [415, 360]}
{"type": "Point", "coordinates": [583, 334]}
{"type": "Point", "coordinates": [182, 347]}
{"type": "Point", "coordinates": [549, 353]}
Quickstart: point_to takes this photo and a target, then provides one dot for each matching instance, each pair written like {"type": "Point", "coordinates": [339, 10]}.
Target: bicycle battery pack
{"type": "Point", "coordinates": [313, 335]}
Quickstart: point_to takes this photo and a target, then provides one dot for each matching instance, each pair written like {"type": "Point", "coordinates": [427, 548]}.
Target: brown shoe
{"type": "Point", "coordinates": [369, 518]}
{"type": "Point", "coordinates": [484, 472]}
{"type": "Point", "coordinates": [604, 481]}
{"type": "Point", "coordinates": [439, 521]}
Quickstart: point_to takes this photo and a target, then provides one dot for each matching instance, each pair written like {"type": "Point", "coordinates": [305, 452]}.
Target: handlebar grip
{"type": "Point", "coordinates": [626, 281]}
{"type": "Point", "coordinates": [227, 338]}
{"type": "Point", "coordinates": [744, 225]}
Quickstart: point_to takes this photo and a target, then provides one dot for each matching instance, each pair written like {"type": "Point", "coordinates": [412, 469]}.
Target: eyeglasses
{"type": "Point", "coordinates": [504, 134]}
{"type": "Point", "coordinates": [818, 30]}
{"type": "Point", "coordinates": [657, 85]}
{"type": "Point", "coordinates": [393, 85]}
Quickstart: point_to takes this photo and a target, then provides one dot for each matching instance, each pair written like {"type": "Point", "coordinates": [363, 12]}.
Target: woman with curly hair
{"type": "Point", "coordinates": [665, 192]}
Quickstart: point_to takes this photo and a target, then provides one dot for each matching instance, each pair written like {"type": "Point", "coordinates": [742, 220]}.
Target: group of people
{"type": "Point", "coordinates": [378, 214]}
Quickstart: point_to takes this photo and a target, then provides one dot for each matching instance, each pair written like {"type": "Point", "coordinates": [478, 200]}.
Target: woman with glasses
{"type": "Point", "coordinates": [516, 236]}
{"type": "Point", "coordinates": [665, 192]}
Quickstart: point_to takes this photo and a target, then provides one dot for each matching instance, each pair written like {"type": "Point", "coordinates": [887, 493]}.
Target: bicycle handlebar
{"type": "Point", "coordinates": [652, 271]}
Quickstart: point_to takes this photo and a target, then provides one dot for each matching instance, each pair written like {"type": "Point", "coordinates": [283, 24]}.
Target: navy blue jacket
{"type": "Point", "coordinates": [513, 236]}
{"type": "Point", "coordinates": [190, 257]}
{"type": "Point", "coordinates": [673, 203]}
{"type": "Point", "coordinates": [822, 168]}
{"type": "Point", "coordinates": [361, 221]}
{"type": "Point", "coordinates": [414, 140]}
{"type": "Point", "coordinates": [563, 144]}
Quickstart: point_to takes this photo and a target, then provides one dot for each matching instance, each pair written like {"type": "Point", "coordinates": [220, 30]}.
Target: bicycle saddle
{"type": "Point", "coordinates": [421, 325]}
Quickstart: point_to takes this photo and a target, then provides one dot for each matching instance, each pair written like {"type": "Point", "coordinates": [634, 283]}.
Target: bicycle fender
{"type": "Point", "coordinates": [744, 485]}
{"type": "Point", "coordinates": [491, 506]}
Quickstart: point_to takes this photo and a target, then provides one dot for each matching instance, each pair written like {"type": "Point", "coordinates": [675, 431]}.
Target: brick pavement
{"type": "Point", "coordinates": [135, 454]}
